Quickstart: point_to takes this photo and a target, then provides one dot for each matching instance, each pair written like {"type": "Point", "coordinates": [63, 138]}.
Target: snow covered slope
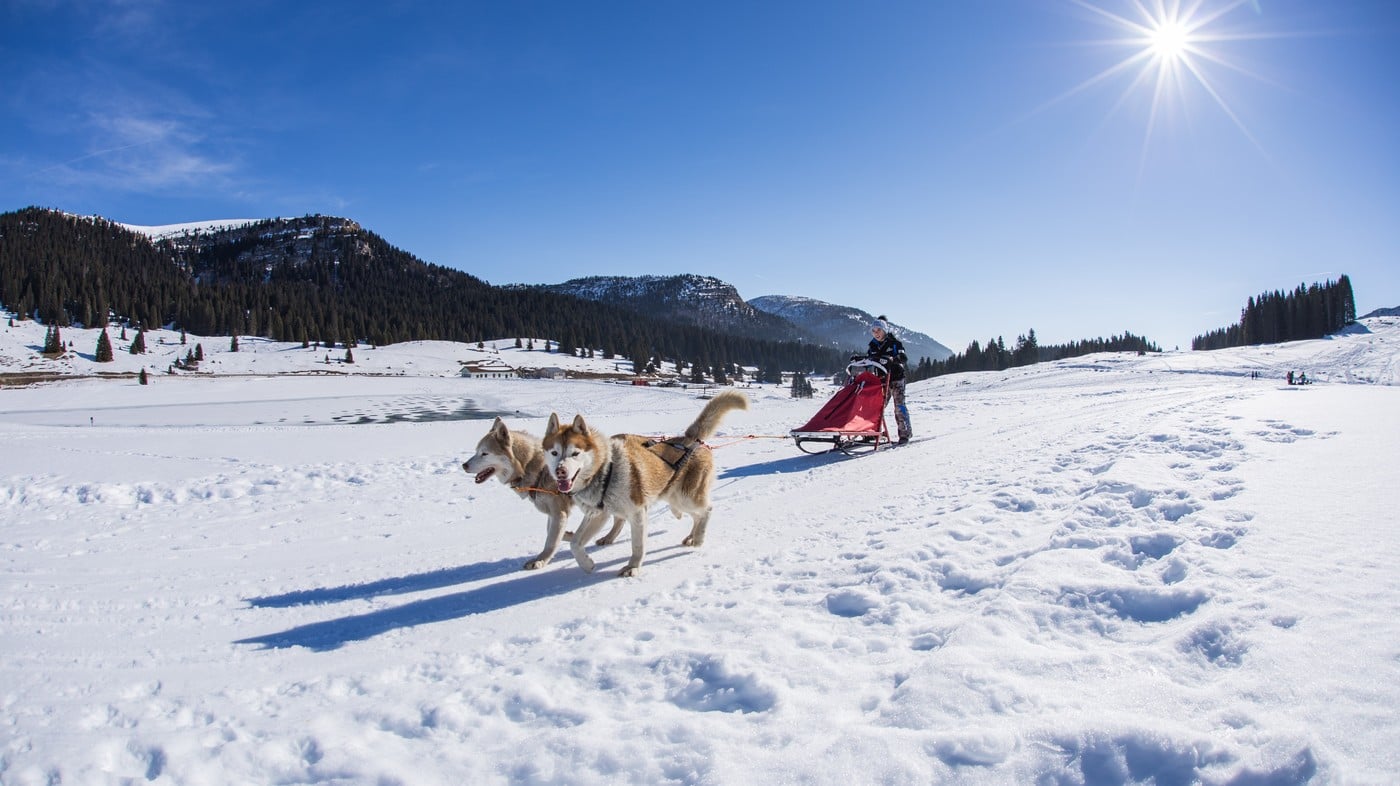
{"type": "Point", "coordinates": [845, 327]}
{"type": "Point", "coordinates": [1108, 570]}
{"type": "Point", "coordinates": [191, 227]}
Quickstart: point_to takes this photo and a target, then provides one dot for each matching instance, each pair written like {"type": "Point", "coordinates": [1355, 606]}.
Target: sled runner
{"type": "Point", "coordinates": [853, 421]}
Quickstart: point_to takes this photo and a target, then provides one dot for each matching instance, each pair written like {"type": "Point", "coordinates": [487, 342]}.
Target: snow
{"type": "Point", "coordinates": [1107, 570]}
{"type": "Point", "coordinates": [191, 227]}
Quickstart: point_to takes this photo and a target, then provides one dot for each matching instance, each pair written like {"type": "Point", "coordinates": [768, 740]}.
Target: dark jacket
{"type": "Point", "coordinates": [889, 353]}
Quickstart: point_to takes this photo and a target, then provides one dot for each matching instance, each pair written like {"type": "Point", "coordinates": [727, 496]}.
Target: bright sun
{"type": "Point", "coordinates": [1169, 40]}
{"type": "Point", "coordinates": [1169, 46]}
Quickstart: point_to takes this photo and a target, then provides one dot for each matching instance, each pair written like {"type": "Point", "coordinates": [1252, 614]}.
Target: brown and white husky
{"type": "Point", "coordinates": [625, 474]}
{"type": "Point", "coordinates": [517, 460]}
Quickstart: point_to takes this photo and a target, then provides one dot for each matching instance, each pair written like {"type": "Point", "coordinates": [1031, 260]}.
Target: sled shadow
{"type": "Point", "coordinates": [784, 465]}
{"type": "Point", "coordinates": [536, 585]}
{"type": "Point", "coordinates": [400, 585]}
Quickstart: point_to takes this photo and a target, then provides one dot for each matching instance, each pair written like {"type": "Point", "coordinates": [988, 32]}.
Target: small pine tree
{"type": "Point", "coordinates": [517, 343]}
{"type": "Point", "coordinates": [481, 345]}
{"type": "Point", "coordinates": [104, 348]}
{"type": "Point", "coordinates": [123, 332]}
{"type": "Point", "coordinates": [199, 352]}
{"type": "Point", "coordinates": [53, 341]}
{"type": "Point", "coordinates": [349, 356]}
{"type": "Point", "coordinates": [183, 339]}
{"type": "Point", "coordinates": [233, 344]}
{"type": "Point", "coordinates": [143, 378]}
{"type": "Point", "coordinates": [138, 346]}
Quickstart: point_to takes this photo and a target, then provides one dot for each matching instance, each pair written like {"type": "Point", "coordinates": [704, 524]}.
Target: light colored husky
{"type": "Point", "coordinates": [517, 460]}
{"type": "Point", "coordinates": [624, 474]}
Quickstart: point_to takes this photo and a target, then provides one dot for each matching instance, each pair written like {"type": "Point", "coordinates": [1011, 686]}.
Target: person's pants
{"type": "Point", "coordinates": [901, 410]}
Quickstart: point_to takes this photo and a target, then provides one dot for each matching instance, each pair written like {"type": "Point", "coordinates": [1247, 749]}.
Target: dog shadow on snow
{"type": "Point", "coordinates": [782, 466]}
{"type": "Point", "coordinates": [560, 577]}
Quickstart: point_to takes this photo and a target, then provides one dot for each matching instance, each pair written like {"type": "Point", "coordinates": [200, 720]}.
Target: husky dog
{"type": "Point", "coordinates": [517, 460]}
{"type": "Point", "coordinates": [623, 475]}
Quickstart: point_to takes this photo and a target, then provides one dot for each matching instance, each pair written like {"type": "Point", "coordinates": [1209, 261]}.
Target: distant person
{"type": "Point", "coordinates": [887, 350]}
{"type": "Point", "coordinates": [1290, 377]}
{"type": "Point", "coordinates": [1303, 379]}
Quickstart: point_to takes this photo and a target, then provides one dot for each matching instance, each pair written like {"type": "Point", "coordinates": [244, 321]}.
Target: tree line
{"type": "Point", "coordinates": [997, 356]}
{"type": "Point", "coordinates": [1273, 317]}
{"type": "Point", "coordinates": [326, 280]}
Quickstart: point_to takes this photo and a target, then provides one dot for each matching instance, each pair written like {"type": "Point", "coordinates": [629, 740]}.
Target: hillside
{"type": "Point", "coordinates": [319, 279]}
{"type": "Point", "coordinates": [703, 301]}
{"type": "Point", "coordinates": [1115, 569]}
{"type": "Point", "coordinates": [844, 327]}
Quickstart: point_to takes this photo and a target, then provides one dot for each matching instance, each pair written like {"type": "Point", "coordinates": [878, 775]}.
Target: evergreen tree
{"type": "Point", "coordinates": [53, 341]}
{"type": "Point", "coordinates": [233, 344]}
{"type": "Point", "coordinates": [199, 352]}
{"type": "Point", "coordinates": [183, 339]}
{"type": "Point", "coordinates": [1271, 317]}
{"type": "Point", "coordinates": [142, 377]}
{"type": "Point", "coordinates": [104, 348]}
{"type": "Point", "coordinates": [349, 356]}
{"type": "Point", "coordinates": [138, 347]}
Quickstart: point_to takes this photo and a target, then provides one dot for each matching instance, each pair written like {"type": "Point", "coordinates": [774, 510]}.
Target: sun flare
{"type": "Point", "coordinates": [1172, 50]}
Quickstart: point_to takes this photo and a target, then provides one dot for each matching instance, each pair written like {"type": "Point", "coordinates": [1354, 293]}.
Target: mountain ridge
{"type": "Point", "coordinates": [327, 279]}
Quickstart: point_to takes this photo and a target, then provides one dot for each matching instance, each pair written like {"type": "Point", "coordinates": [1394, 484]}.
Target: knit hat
{"type": "Point", "coordinates": [880, 324]}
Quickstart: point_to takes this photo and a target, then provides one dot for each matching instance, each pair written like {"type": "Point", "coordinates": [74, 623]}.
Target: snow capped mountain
{"type": "Point", "coordinates": [1384, 312]}
{"type": "Point", "coordinates": [844, 327]}
{"type": "Point", "coordinates": [716, 304]}
{"type": "Point", "coordinates": [691, 299]}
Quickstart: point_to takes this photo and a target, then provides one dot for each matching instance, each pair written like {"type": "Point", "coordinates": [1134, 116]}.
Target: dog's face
{"type": "Point", "coordinates": [492, 455]}
{"type": "Point", "coordinates": [569, 451]}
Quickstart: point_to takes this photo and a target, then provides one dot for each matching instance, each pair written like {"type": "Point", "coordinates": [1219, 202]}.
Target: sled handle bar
{"type": "Point", "coordinates": [856, 366]}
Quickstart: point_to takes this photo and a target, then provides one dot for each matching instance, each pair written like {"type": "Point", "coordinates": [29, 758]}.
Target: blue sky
{"type": "Point", "coordinates": [971, 168]}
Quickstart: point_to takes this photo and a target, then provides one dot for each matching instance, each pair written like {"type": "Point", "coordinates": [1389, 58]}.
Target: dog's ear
{"type": "Point", "coordinates": [553, 425]}
{"type": "Point", "coordinates": [500, 432]}
{"type": "Point", "coordinates": [579, 425]}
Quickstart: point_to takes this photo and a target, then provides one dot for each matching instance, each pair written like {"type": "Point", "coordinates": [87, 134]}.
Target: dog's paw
{"type": "Point", "coordinates": [587, 566]}
{"type": "Point", "coordinates": [691, 540]}
{"type": "Point", "coordinates": [630, 571]}
{"type": "Point", "coordinates": [536, 564]}
{"type": "Point", "coordinates": [606, 540]}
{"type": "Point", "coordinates": [568, 536]}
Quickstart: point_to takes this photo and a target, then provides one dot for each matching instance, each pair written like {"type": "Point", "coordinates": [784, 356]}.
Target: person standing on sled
{"type": "Point", "coordinates": [886, 350]}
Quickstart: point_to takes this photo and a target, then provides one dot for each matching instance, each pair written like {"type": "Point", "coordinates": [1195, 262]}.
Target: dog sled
{"type": "Point", "coordinates": [853, 420]}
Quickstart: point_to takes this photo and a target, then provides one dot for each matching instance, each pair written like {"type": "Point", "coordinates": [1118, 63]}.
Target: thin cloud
{"type": "Point", "coordinates": [138, 153]}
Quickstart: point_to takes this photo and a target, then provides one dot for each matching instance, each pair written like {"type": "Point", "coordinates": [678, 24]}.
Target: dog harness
{"type": "Point", "coordinates": [607, 481]}
{"type": "Point", "coordinates": [686, 452]}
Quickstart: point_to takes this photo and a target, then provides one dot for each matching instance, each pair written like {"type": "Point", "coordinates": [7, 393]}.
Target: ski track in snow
{"type": "Point", "coordinates": [1057, 586]}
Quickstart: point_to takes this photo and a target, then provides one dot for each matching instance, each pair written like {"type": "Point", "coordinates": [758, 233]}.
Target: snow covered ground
{"type": "Point", "coordinates": [1107, 570]}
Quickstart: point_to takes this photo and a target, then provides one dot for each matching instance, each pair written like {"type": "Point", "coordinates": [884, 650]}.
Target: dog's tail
{"type": "Point", "coordinates": [707, 423]}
